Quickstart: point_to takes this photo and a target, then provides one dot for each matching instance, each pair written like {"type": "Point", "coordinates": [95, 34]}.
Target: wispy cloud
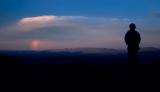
{"type": "Point", "coordinates": [32, 23]}
{"type": "Point", "coordinates": [155, 14]}
{"type": "Point", "coordinates": [66, 31]}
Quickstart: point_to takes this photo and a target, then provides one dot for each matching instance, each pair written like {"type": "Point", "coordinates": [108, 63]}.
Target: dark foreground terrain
{"type": "Point", "coordinates": [78, 56]}
{"type": "Point", "coordinates": [77, 70]}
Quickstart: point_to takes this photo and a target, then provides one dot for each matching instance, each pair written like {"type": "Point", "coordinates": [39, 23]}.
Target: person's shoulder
{"type": "Point", "coordinates": [137, 32]}
{"type": "Point", "coordinates": [127, 33]}
{"type": "Point", "coordinates": [130, 32]}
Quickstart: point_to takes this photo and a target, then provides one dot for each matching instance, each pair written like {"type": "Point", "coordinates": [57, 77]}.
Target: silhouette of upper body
{"type": "Point", "coordinates": [132, 39]}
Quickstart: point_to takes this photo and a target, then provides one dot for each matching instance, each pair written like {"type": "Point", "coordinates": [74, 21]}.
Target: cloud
{"type": "Point", "coordinates": [65, 27]}
{"type": "Point", "coordinates": [71, 31]}
{"type": "Point", "coordinates": [64, 32]}
{"type": "Point", "coordinates": [32, 23]}
{"type": "Point", "coordinates": [39, 19]}
{"type": "Point", "coordinates": [120, 19]}
{"type": "Point", "coordinates": [155, 14]}
{"type": "Point", "coordinates": [65, 22]}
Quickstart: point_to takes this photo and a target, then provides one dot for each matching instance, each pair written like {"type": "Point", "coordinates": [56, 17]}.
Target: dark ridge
{"type": "Point", "coordinates": [80, 56]}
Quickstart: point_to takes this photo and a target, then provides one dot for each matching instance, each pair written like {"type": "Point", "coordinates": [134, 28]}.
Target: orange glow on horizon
{"type": "Point", "coordinates": [35, 44]}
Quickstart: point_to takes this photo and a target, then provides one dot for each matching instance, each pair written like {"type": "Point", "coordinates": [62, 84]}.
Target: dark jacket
{"type": "Point", "coordinates": [133, 39]}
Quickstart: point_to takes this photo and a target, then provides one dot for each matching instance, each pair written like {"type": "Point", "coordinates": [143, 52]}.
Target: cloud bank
{"type": "Point", "coordinates": [66, 32]}
{"type": "Point", "coordinates": [32, 23]}
{"type": "Point", "coordinates": [155, 14]}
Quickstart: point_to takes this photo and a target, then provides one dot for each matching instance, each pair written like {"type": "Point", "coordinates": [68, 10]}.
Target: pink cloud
{"type": "Point", "coordinates": [31, 23]}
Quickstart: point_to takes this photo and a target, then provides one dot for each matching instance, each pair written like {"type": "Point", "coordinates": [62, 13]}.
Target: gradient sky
{"type": "Point", "coordinates": [54, 24]}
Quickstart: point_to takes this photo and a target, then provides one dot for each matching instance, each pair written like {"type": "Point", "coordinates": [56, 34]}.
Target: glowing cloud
{"type": "Point", "coordinates": [35, 44]}
{"type": "Point", "coordinates": [39, 19]}
{"type": "Point", "coordinates": [31, 23]}
{"type": "Point", "coordinates": [35, 22]}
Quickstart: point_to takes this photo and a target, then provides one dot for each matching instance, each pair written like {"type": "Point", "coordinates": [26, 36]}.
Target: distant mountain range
{"type": "Point", "coordinates": [88, 50]}
{"type": "Point", "coordinates": [105, 51]}
{"type": "Point", "coordinates": [78, 55]}
{"type": "Point", "coordinates": [147, 49]}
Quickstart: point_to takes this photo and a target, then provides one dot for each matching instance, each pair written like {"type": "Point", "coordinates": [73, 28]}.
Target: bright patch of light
{"type": "Point", "coordinates": [35, 44]}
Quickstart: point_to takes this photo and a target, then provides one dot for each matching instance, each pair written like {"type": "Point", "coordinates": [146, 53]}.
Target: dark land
{"type": "Point", "coordinates": [78, 56]}
{"type": "Point", "coordinates": [74, 68]}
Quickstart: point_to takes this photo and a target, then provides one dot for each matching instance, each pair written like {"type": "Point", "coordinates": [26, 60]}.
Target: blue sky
{"type": "Point", "coordinates": [52, 24]}
{"type": "Point", "coordinates": [120, 8]}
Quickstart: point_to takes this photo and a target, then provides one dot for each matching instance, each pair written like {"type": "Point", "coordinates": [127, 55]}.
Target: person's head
{"type": "Point", "coordinates": [132, 26]}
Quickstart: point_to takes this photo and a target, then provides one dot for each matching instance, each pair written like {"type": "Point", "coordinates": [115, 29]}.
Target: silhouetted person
{"type": "Point", "coordinates": [133, 39]}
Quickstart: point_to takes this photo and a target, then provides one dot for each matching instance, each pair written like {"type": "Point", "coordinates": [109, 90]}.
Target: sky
{"type": "Point", "coordinates": [58, 24]}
